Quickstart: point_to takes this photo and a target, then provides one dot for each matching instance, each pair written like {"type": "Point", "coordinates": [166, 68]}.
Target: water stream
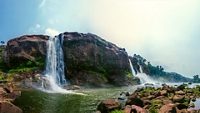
{"type": "Point", "coordinates": [144, 78]}
{"type": "Point", "coordinates": [36, 101]}
{"type": "Point", "coordinates": [54, 73]}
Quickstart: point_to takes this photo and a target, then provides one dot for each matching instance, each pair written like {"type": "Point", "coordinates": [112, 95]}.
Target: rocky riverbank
{"type": "Point", "coordinates": [8, 94]}
{"type": "Point", "coordinates": [166, 99]}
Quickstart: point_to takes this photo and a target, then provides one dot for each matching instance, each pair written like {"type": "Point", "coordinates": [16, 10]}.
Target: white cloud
{"type": "Point", "coordinates": [51, 32]}
{"type": "Point", "coordinates": [36, 29]}
{"type": "Point", "coordinates": [38, 26]}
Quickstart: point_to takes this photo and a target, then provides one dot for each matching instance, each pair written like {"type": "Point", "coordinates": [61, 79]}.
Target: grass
{"type": "Point", "coordinates": [117, 111]}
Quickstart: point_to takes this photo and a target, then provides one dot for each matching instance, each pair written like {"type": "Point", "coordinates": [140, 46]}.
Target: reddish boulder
{"type": "Point", "coordinates": [7, 107]}
{"type": "Point", "coordinates": [108, 105]}
{"type": "Point", "coordinates": [138, 109]}
{"type": "Point", "coordinates": [168, 108]}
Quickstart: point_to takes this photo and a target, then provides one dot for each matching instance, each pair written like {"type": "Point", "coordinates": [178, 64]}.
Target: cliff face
{"type": "Point", "coordinates": [25, 48]}
{"type": "Point", "coordinates": [88, 58]}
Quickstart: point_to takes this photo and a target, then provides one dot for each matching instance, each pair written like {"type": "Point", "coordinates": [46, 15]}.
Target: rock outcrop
{"type": "Point", "coordinates": [25, 48]}
{"type": "Point", "coordinates": [89, 59]}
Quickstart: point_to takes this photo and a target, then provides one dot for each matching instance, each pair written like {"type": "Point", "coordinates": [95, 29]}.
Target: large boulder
{"type": "Point", "coordinates": [7, 107]}
{"type": "Point", "coordinates": [25, 48]}
{"type": "Point", "coordinates": [89, 59]}
{"type": "Point", "coordinates": [108, 105]}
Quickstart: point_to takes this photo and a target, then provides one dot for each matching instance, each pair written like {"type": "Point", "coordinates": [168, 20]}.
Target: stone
{"type": "Point", "coordinates": [163, 92]}
{"type": "Point", "coordinates": [135, 101]}
{"type": "Point", "coordinates": [108, 105]}
{"type": "Point", "coordinates": [182, 106]}
{"type": "Point", "coordinates": [138, 109]}
{"type": "Point", "coordinates": [180, 92]}
{"type": "Point", "coordinates": [7, 107]}
{"type": "Point", "coordinates": [178, 98]}
{"type": "Point", "coordinates": [166, 101]}
{"type": "Point", "coordinates": [168, 108]}
{"type": "Point", "coordinates": [127, 109]}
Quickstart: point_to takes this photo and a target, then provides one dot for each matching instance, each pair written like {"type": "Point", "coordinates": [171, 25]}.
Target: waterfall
{"type": "Point", "coordinates": [131, 65]}
{"type": "Point", "coordinates": [54, 72]}
{"type": "Point", "coordinates": [144, 78]}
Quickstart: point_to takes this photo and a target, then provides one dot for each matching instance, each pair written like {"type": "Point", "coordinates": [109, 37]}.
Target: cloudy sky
{"type": "Point", "coordinates": [165, 32]}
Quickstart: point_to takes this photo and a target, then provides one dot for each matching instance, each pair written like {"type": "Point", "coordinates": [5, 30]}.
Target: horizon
{"type": "Point", "coordinates": [164, 32]}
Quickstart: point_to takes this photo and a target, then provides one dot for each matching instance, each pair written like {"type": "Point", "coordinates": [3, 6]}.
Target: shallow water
{"type": "Point", "coordinates": [35, 101]}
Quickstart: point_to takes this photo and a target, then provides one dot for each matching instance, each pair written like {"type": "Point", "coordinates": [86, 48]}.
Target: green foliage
{"type": "Point", "coordinates": [129, 75]}
{"type": "Point", "coordinates": [22, 70]}
{"type": "Point", "coordinates": [156, 71]}
{"type": "Point", "coordinates": [117, 111]}
{"type": "Point", "coordinates": [153, 109]}
{"type": "Point", "coordinates": [196, 79]}
{"type": "Point", "coordinates": [155, 104]}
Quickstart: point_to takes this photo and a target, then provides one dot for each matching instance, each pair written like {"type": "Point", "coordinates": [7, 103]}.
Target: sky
{"type": "Point", "coordinates": [165, 32]}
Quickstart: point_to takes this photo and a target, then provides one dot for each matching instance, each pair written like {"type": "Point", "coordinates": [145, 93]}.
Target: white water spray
{"type": "Point", "coordinates": [144, 78]}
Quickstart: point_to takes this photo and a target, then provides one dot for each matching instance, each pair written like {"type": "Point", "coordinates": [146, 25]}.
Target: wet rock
{"type": "Point", "coordinates": [108, 105]}
{"type": "Point", "coordinates": [168, 108]}
{"type": "Point", "coordinates": [7, 107]}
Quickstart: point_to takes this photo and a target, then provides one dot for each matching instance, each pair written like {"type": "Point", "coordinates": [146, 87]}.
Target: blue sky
{"type": "Point", "coordinates": [166, 32]}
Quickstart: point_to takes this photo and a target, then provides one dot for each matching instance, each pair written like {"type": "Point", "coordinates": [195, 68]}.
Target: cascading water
{"type": "Point", "coordinates": [144, 78]}
{"type": "Point", "coordinates": [54, 72]}
{"type": "Point", "coordinates": [131, 65]}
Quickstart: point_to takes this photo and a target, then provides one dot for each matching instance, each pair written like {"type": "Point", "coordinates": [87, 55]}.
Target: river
{"type": "Point", "coordinates": [35, 101]}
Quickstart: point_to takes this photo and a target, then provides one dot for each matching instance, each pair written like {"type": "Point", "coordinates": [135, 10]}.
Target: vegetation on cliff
{"type": "Point", "coordinates": [156, 72]}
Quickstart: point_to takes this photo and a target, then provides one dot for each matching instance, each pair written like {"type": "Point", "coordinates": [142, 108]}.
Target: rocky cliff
{"type": "Point", "coordinates": [88, 58]}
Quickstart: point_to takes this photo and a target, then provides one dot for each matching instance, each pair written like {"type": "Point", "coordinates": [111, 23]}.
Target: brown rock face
{"type": "Point", "coordinates": [89, 59]}
{"type": "Point", "coordinates": [25, 48]}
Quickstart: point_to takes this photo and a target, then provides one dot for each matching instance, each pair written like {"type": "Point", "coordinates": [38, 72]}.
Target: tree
{"type": "Point", "coordinates": [2, 42]}
{"type": "Point", "coordinates": [196, 79]}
